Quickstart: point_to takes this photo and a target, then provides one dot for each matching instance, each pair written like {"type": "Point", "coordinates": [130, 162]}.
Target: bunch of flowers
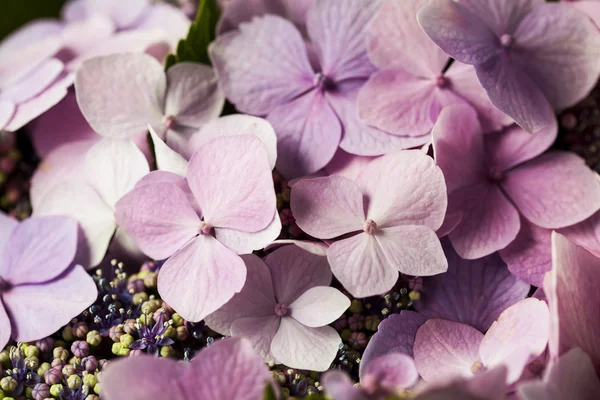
{"type": "Point", "coordinates": [284, 199]}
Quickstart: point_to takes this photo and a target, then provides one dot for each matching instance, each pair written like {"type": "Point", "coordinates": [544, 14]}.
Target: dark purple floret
{"type": "Point", "coordinates": [152, 334]}
{"type": "Point", "coordinates": [21, 372]}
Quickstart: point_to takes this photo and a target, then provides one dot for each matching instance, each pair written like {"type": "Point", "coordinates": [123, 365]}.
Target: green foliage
{"type": "Point", "coordinates": [269, 393]}
{"type": "Point", "coordinates": [15, 13]}
{"type": "Point", "coordinates": [202, 32]}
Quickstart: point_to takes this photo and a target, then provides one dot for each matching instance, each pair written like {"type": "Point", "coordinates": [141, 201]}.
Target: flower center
{"type": "Point", "coordinates": [281, 310]}
{"type": "Point", "coordinates": [496, 175]}
{"type": "Point", "coordinates": [204, 229]}
{"type": "Point", "coordinates": [4, 285]}
{"type": "Point", "coordinates": [323, 82]}
{"type": "Point", "coordinates": [477, 367]}
{"type": "Point", "coordinates": [168, 121]}
{"type": "Point", "coordinates": [441, 81]}
{"type": "Point", "coordinates": [369, 226]}
{"type": "Point", "coordinates": [506, 40]}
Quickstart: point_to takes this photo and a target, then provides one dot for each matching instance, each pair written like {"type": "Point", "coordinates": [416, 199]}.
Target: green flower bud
{"type": "Point", "coordinates": [166, 351]}
{"type": "Point", "coordinates": [90, 380]}
{"type": "Point", "coordinates": [356, 306]}
{"type": "Point", "coordinates": [32, 361]}
{"type": "Point", "coordinates": [67, 334]}
{"type": "Point", "coordinates": [177, 320]}
{"type": "Point", "coordinates": [74, 381]}
{"type": "Point", "coordinates": [56, 390]}
{"type": "Point", "coordinates": [171, 332]}
{"type": "Point", "coordinates": [8, 384]}
{"type": "Point", "coordinates": [29, 393]}
{"type": "Point", "coordinates": [372, 322]}
{"type": "Point", "coordinates": [139, 298]}
{"type": "Point", "coordinates": [31, 351]}
{"type": "Point", "coordinates": [346, 334]}
{"type": "Point", "coordinates": [43, 368]}
{"type": "Point", "coordinates": [124, 351]}
{"type": "Point", "coordinates": [61, 353]}
{"type": "Point", "coordinates": [5, 359]}
{"type": "Point", "coordinates": [414, 295]}
{"type": "Point", "coordinates": [97, 388]}
{"type": "Point", "coordinates": [126, 340]}
{"type": "Point", "coordinates": [93, 338]}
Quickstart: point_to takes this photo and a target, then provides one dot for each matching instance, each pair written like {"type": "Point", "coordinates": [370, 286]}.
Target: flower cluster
{"type": "Point", "coordinates": [278, 199]}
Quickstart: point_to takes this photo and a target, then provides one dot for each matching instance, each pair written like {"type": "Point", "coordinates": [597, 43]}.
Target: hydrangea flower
{"type": "Point", "coordinates": [265, 70]}
{"type": "Point", "coordinates": [473, 292]}
{"type": "Point", "coordinates": [410, 89]}
{"type": "Point", "coordinates": [40, 288]}
{"type": "Point", "coordinates": [573, 297]}
{"type": "Point", "coordinates": [284, 307]}
{"type": "Point", "coordinates": [384, 376]}
{"type": "Point", "coordinates": [227, 369]}
{"type": "Point", "coordinates": [110, 169]}
{"type": "Point", "coordinates": [174, 103]}
{"type": "Point", "coordinates": [385, 220]}
{"type": "Point", "coordinates": [494, 180]}
{"type": "Point", "coordinates": [572, 376]}
{"type": "Point", "coordinates": [234, 12]}
{"type": "Point", "coordinates": [230, 197]}
{"type": "Point", "coordinates": [31, 79]}
{"type": "Point", "coordinates": [590, 7]}
{"type": "Point", "coordinates": [446, 348]}
{"type": "Point", "coordinates": [530, 56]}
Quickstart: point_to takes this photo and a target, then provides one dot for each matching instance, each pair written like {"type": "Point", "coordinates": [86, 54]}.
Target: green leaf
{"type": "Point", "coordinates": [194, 47]}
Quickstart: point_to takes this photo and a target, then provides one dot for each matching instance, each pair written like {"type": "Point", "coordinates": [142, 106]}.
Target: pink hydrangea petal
{"type": "Point", "coordinates": [256, 299]}
{"type": "Point", "coordinates": [558, 41]}
{"type": "Point", "coordinates": [114, 166]}
{"type": "Point", "coordinates": [505, 80]}
{"type": "Point", "coordinates": [298, 346]}
{"type": "Point", "coordinates": [393, 371]}
{"type": "Point", "coordinates": [445, 349]}
{"type": "Point", "coordinates": [34, 82]}
{"type": "Point", "coordinates": [514, 146]}
{"type": "Point", "coordinates": [159, 217]}
{"type": "Point", "coordinates": [404, 188]}
{"type": "Point", "coordinates": [223, 363]}
{"type": "Point", "coordinates": [571, 376]}
{"type": "Point", "coordinates": [464, 83]}
{"type": "Point", "coordinates": [412, 250]}
{"type": "Point", "coordinates": [458, 147]}
{"type": "Point", "coordinates": [260, 331]}
{"type": "Point", "coordinates": [472, 292]}
{"type": "Point", "coordinates": [319, 306]}
{"type": "Point", "coordinates": [347, 165]}
{"type": "Point", "coordinates": [167, 159]}
{"type": "Point", "coordinates": [395, 39]}
{"type": "Point", "coordinates": [338, 385]}
{"type": "Point", "coordinates": [246, 242]}
{"type": "Point", "coordinates": [82, 202]}
{"type": "Point", "coordinates": [60, 125]}
{"type": "Point", "coordinates": [410, 114]}
{"type": "Point", "coordinates": [79, 36]}
{"type": "Point", "coordinates": [554, 190]}
{"type": "Point", "coordinates": [234, 188]}
{"type": "Point", "coordinates": [308, 134]}
{"type": "Point", "coordinates": [317, 248]}
{"type": "Point", "coordinates": [519, 335]}
{"type": "Point", "coordinates": [395, 334]}
{"type": "Point", "coordinates": [361, 266]}
{"type": "Point", "coordinates": [40, 310]}
{"type": "Point", "coordinates": [106, 91]}
{"type": "Point", "coordinates": [504, 17]}
{"type": "Point", "coordinates": [234, 125]}
{"type": "Point", "coordinates": [585, 234]}
{"type": "Point", "coordinates": [458, 31]}
{"type": "Point", "coordinates": [295, 270]}
{"type": "Point", "coordinates": [327, 207]}
{"type": "Point", "coordinates": [193, 96]}
{"type": "Point", "coordinates": [152, 375]}
{"type": "Point", "coordinates": [590, 7]}
{"type": "Point", "coordinates": [338, 33]}
{"type": "Point", "coordinates": [529, 255]}
{"type": "Point", "coordinates": [5, 332]}
{"type": "Point", "coordinates": [124, 14]}
{"type": "Point", "coordinates": [203, 270]}
{"type": "Point", "coordinates": [489, 223]}
{"type": "Point", "coordinates": [32, 33]}
{"type": "Point", "coordinates": [358, 138]}
{"type": "Point", "coordinates": [168, 18]}
{"type": "Point", "coordinates": [451, 221]}
{"type": "Point", "coordinates": [7, 226]}
{"type": "Point", "coordinates": [572, 285]}
{"type": "Point", "coordinates": [279, 71]}
{"type": "Point", "coordinates": [235, 12]}
{"type": "Point", "coordinates": [50, 242]}
{"type": "Point", "coordinates": [36, 106]}
{"type": "Point", "coordinates": [7, 110]}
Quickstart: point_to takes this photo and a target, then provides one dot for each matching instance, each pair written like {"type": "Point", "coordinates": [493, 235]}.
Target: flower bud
{"type": "Point", "coordinates": [41, 391]}
{"type": "Point", "coordinates": [80, 329]}
{"type": "Point", "coordinates": [43, 368]}
{"type": "Point", "coordinates": [93, 338]}
{"type": "Point", "coordinates": [90, 380]}
{"type": "Point", "coordinates": [67, 334]}
{"type": "Point", "coordinates": [115, 332]}
{"type": "Point", "coordinates": [8, 384]}
{"type": "Point", "coordinates": [74, 382]}
{"type": "Point", "coordinates": [56, 390]}
{"type": "Point", "coordinates": [90, 364]}
{"type": "Point", "coordinates": [80, 349]}
{"type": "Point", "coordinates": [126, 339]}
{"type": "Point", "coordinates": [31, 351]}
{"type": "Point", "coordinates": [166, 351]}
{"type": "Point", "coordinates": [61, 353]}
{"type": "Point", "coordinates": [68, 370]}
{"type": "Point", "coordinates": [53, 376]}
{"type": "Point", "coordinates": [45, 345]}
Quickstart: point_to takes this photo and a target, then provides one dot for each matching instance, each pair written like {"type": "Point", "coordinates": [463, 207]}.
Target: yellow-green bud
{"type": "Point", "coordinates": [74, 381]}
{"type": "Point", "coordinates": [67, 334]}
{"type": "Point", "coordinates": [414, 295]}
{"type": "Point", "coordinates": [148, 307]}
{"type": "Point", "coordinates": [60, 343]}
{"type": "Point", "coordinates": [90, 380]}
{"type": "Point", "coordinates": [126, 339]}
{"type": "Point", "coordinates": [61, 353]}
{"type": "Point", "coordinates": [116, 348]}
{"type": "Point", "coordinates": [29, 393]}
{"type": "Point", "coordinates": [43, 368]}
{"type": "Point", "coordinates": [171, 332]}
{"type": "Point", "coordinates": [142, 274]}
{"type": "Point", "coordinates": [356, 306]}
{"type": "Point", "coordinates": [177, 320]}
{"type": "Point", "coordinates": [32, 362]}
{"type": "Point", "coordinates": [150, 280]}
{"type": "Point", "coordinates": [5, 359]}
{"type": "Point", "coordinates": [124, 351]}
{"type": "Point", "coordinates": [346, 334]}
{"type": "Point", "coordinates": [139, 298]}
{"type": "Point", "coordinates": [97, 388]}
{"type": "Point", "coordinates": [166, 351]}
{"type": "Point", "coordinates": [93, 338]}
{"type": "Point", "coordinates": [8, 384]}
{"type": "Point", "coordinates": [32, 351]}
{"type": "Point", "coordinates": [56, 390]}
{"type": "Point", "coordinates": [2, 395]}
